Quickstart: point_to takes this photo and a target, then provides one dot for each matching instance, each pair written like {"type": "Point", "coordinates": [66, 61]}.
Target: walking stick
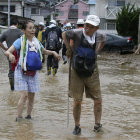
{"type": "Point", "coordinates": [68, 92]}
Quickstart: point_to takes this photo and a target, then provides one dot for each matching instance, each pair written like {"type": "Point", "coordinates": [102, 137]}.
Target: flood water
{"type": "Point", "coordinates": [120, 85]}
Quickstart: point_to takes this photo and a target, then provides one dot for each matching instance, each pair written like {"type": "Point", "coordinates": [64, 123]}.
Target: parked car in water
{"type": "Point", "coordinates": [116, 43]}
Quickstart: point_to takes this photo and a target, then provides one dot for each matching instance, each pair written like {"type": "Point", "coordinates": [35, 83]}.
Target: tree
{"type": "Point", "coordinates": [127, 21]}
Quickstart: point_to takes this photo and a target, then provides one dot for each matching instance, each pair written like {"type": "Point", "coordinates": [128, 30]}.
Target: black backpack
{"type": "Point", "coordinates": [52, 41]}
{"type": "Point", "coordinates": [84, 58]}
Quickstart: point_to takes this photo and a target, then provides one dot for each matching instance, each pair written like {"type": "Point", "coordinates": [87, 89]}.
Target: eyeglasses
{"type": "Point", "coordinates": [89, 26]}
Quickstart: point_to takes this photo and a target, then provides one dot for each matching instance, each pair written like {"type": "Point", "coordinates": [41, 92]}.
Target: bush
{"type": "Point", "coordinates": [127, 21]}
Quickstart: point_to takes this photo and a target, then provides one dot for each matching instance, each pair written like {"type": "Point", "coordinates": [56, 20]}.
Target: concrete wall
{"type": "Point", "coordinates": [92, 10]}
{"type": "Point", "coordinates": [38, 19]}
{"type": "Point", "coordinates": [100, 8]}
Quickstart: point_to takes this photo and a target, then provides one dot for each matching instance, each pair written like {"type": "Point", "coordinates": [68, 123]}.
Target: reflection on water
{"type": "Point", "coordinates": [120, 84]}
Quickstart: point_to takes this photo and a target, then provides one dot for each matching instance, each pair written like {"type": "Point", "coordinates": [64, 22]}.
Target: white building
{"type": "Point", "coordinates": [23, 8]}
{"type": "Point", "coordinates": [107, 9]}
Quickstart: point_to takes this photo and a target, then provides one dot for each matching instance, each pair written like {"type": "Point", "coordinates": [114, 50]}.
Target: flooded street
{"type": "Point", "coordinates": [120, 85]}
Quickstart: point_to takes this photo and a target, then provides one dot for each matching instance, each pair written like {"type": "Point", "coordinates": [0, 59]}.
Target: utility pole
{"type": "Point", "coordinates": [8, 13]}
{"type": "Point", "coordinates": [23, 8]}
{"type": "Point", "coordinates": [139, 30]}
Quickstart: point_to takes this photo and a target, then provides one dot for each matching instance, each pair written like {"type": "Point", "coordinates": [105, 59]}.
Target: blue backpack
{"type": "Point", "coordinates": [33, 61]}
{"type": "Point", "coordinates": [84, 59]}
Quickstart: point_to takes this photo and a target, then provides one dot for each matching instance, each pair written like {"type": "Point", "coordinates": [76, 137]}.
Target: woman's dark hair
{"type": "Point", "coordinates": [24, 25]}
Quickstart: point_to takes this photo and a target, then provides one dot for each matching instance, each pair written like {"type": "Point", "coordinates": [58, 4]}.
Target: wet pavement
{"type": "Point", "coordinates": [120, 85]}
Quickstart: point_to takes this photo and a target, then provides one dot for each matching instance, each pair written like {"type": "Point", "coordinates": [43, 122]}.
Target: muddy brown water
{"type": "Point", "coordinates": [120, 85]}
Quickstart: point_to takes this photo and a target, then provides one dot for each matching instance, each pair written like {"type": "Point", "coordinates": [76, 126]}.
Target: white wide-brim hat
{"type": "Point", "coordinates": [93, 20]}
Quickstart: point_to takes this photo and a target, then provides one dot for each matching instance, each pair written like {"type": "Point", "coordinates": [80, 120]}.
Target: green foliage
{"type": "Point", "coordinates": [127, 21]}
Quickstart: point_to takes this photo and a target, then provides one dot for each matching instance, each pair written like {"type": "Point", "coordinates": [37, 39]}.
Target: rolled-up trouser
{"type": "Point", "coordinates": [52, 61]}
{"type": "Point", "coordinates": [11, 73]}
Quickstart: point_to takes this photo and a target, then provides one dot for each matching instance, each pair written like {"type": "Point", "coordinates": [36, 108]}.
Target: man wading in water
{"type": "Point", "coordinates": [10, 35]}
{"type": "Point", "coordinates": [84, 75]}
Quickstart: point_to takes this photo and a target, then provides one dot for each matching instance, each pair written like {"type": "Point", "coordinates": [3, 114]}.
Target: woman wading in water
{"type": "Point", "coordinates": [26, 75]}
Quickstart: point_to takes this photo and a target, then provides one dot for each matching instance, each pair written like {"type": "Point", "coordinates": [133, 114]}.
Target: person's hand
{"type": "Point", "coordinates": [12, 58]}
{"type": "Point", "coordinates": [69, 53]}
{"type": "Point", "coordinates": [56, 55]}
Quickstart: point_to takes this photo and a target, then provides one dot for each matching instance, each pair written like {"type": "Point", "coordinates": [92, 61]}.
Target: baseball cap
{"type": "Point", "coordinates": [93, 20]}
{"type": "Point", "coordinates": [41, 23]}
{"type": "Point", "coordinates": [53, 21]}
{"type": "Point", "coordinates": [80, 21]}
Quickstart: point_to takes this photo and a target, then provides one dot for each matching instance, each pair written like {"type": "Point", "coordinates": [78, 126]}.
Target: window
{"type": "Point", "coordinates": [85, 13]}
{"type": "Point", "coordinates": [35, 11]}
{"type": "Point", "coordinates": [4, 8]}
{"type": "Point", "coordinates": [74, 6]}
{"type": "Point", "coordinates": [120, 2]}
{"type": "Point", "coordinates": [12, 8]}
{"type": "Point", "coordinates": [116, 2]}
{"type": "Point", "coordinates": [111, 26]}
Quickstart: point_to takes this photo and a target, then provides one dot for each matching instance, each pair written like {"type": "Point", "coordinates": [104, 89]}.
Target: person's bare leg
{"type": "Point", "coordinates": [97, 113]}
{"type": "Point", "coordinates": [76, 115]}
{"type": "Point", "coordinates": [21, 103]}
{"type": "Point", "coordinates": [30, 103]}
{"type": "Point", "coordinates": [77, 112]}
{"type": "Point", "coordinates": [97, 110]}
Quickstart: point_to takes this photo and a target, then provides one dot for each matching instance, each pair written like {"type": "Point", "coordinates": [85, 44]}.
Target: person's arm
{"type": "Point", "coordinates": [100, 46]}
{"type": "Point", "coordinates": [2, 39]}
{"type": "Point", "coordinates": [69, 44]}
{"type": "Point", "coordinates": [3, 47]}
{"type": "Point", "coordinates": [65, 40]}
{"type": "Point", "coordinates": [48, 52]}
{"type": "Point", "coordinates": [9, 54]}
{"type": "Point", "coordinates": [101, 39]}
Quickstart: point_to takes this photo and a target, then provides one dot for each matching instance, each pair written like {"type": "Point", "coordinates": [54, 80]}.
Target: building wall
{"type": "Point", "coordinates": [38, 19]}
{"type": "Point", "coordinates": [63, 7]}
{"type": "Point", "coordinates": [82, 7]}
{"type": "Point", "coordinates": [108, 20]}
{"type": "Point", "coordinates": [92, 10]}
{"type": "Point", "coordinates": [27, 10]}
{"type": "Point", "coordinates": [100, 8]}
{"type": "Point", "coordinates": [18, 8]}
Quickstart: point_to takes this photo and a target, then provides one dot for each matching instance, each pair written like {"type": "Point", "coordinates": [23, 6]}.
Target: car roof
{"type": "Point", "coordinates": [114, 35]}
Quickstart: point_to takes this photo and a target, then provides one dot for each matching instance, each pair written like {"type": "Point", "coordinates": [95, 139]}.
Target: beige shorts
{"type": "Point", "coordinates": [91, 86]}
